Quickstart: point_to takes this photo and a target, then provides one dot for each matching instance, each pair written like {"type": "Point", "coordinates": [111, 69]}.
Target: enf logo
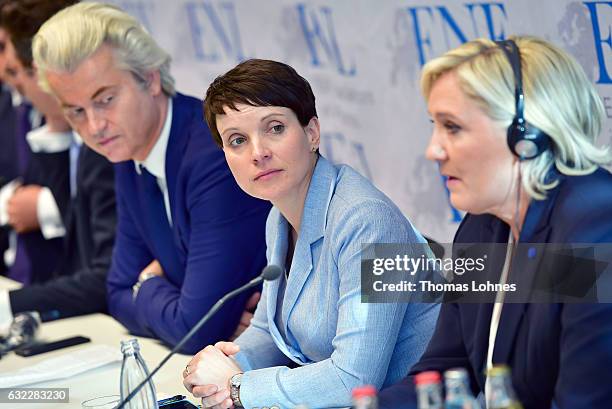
{"type": "Point", "coordinates": [318, 29]}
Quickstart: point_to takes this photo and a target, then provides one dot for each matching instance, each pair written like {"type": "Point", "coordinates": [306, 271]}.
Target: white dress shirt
{"type": "Point", "coordinates": [43, 140]}
{"type": "Point", "coordinates": [497, 310]}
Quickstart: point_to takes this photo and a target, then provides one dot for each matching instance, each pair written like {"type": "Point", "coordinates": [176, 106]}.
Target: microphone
{"type": "Point", "coordinates": [270, 273]}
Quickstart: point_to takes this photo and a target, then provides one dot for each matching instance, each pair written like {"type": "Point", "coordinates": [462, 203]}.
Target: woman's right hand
{"type": "Point", "coordinates": [228, 348]}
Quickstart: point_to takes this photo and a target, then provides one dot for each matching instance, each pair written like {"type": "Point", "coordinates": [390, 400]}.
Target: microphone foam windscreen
{"type": "Point", "coordinates": [271, 272]}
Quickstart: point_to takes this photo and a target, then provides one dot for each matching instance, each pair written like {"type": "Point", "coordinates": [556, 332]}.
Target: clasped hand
{"type": "Point", "coordinates": [22, 209]}
{"type": "Point", "coordinates": [208, 374]}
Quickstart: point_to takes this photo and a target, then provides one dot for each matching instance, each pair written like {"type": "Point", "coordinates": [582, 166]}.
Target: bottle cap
{"type": "Point", "coordinates": [456, 373]}
{"type": "Point", "coordinates": [427, 377]}
{"type": "Point", "coordinates": [130, 347]}
{"type": "Point", "coordinates": [362, 391]}
{"type": "Point", "coordinates": [499, 370]}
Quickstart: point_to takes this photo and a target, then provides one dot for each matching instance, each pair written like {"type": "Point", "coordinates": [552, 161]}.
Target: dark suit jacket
{"type": "Point", "coordinates": [53, 171]}
{"type": "Point", "coordinates": [44, 169]}
{"type": "Point", "coordinates": [78, 285]}
{"type": "Point", "coordinates": [217, 241]}
{"type": "Point", "coordinates": [8, 163]}
{"type": "Point", "coordinates": [559, 353]}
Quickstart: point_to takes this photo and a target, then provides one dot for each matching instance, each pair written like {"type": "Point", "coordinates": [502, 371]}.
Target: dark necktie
{"type": "Point", "coordinates": [21, 130]}
{"type": "Point", "coordinates": [21, 268]}
{"type": "Point", "coordinates": [157, 218]}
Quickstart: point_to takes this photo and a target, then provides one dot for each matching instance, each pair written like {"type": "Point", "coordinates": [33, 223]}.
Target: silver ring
{"type": "Point", "coordinates": [187, 369]}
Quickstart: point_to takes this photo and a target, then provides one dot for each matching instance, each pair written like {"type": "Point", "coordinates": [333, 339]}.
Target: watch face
{"type": "Point", "coordinates": [235, 390]}
{"type": "Point", "coordinates": [235, 380]}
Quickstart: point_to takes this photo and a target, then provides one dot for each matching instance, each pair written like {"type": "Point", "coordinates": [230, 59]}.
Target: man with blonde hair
{"type": "Point", "coordinates": [181, 215]}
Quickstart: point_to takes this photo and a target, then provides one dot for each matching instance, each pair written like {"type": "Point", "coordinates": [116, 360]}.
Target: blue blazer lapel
{"type": "Point", "coordinates": [312, 228]}
{"type": "Point", "coordinates": [278, 255]}
{"type": "Point", "coordinates": [177, 143]}
{"type": "Point", "coordinates": [524, 268]}
{"type": "Point", "coordinates": [483, 230]}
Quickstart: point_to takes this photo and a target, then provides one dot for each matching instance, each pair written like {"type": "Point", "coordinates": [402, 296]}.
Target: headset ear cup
{"type": "Point", "coordinates": [539, 138]}
{"type": "Point", "coordinates": [526, 141]}
{"type": "Point", "coordinates": [526, 149]}
{"type": "Point", "coordinates": [514, 135]}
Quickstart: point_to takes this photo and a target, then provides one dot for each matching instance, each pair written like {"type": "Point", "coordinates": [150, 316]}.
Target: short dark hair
{"type": "Point", "coordinates": [3, 3]}
{"type": "Point", "coordinates": [22, 19]}
{"type": "Point", "coordinates": [2, 43]}
{"type": "Point", "coordinates": [259, 83]}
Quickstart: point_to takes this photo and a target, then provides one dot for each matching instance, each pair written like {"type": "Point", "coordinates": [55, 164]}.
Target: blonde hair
{"type": "Point", "coordinates": [559, 100]}
{"type": "Point", "coordinates": [75, 33]}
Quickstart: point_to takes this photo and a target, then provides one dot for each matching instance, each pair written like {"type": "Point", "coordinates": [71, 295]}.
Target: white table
{"type": "Point", "coordinates": [102, 329]}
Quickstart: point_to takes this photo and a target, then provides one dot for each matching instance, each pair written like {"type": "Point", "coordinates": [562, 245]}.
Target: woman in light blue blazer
{"type": "Point", "coordinates": [311, 340]}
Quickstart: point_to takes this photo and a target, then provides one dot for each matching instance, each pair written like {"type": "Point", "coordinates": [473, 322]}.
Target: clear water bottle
{"type": "Point", "coordinates": [364, 397]}
{"type": "Point", "coordinates": [499, 392]}
{"type": "Point", "coordinates": [133, 372]}
{"type": "Point", "coordinates": [22, 332]}
{"type": "Point", "coordinates": [429, 390]}
{"type": "Point", "coordinates": [458, 392]}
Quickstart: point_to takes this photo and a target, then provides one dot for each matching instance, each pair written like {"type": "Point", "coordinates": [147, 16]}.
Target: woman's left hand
{"type": "Point", "coordinates": [208, 374]}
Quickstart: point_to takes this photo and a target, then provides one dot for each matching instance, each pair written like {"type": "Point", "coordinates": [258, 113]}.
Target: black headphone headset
{"type": "Point", "coordinates": [524, 140]}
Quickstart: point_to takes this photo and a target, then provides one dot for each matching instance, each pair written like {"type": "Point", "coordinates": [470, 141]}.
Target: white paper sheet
{"type": "Point", "coordinates": [65, 366]}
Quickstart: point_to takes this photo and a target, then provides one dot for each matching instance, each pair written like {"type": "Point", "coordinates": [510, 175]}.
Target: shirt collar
{"type": "Point", "coordinates": [156, 161]}
{"type": "Point", "coordinates": [16, 98]}
{"type": "Point", "coordinates": [76, 138]}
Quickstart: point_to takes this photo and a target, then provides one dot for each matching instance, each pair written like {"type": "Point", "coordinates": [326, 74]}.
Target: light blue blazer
{"type": "Point", "coordinates": [312, 340]}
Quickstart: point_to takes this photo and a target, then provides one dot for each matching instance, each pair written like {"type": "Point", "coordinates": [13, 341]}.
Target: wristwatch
{"type": "Point", "coordinates": [235, 390]}
{"type": "Point", "coordinates": [141, 279]}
